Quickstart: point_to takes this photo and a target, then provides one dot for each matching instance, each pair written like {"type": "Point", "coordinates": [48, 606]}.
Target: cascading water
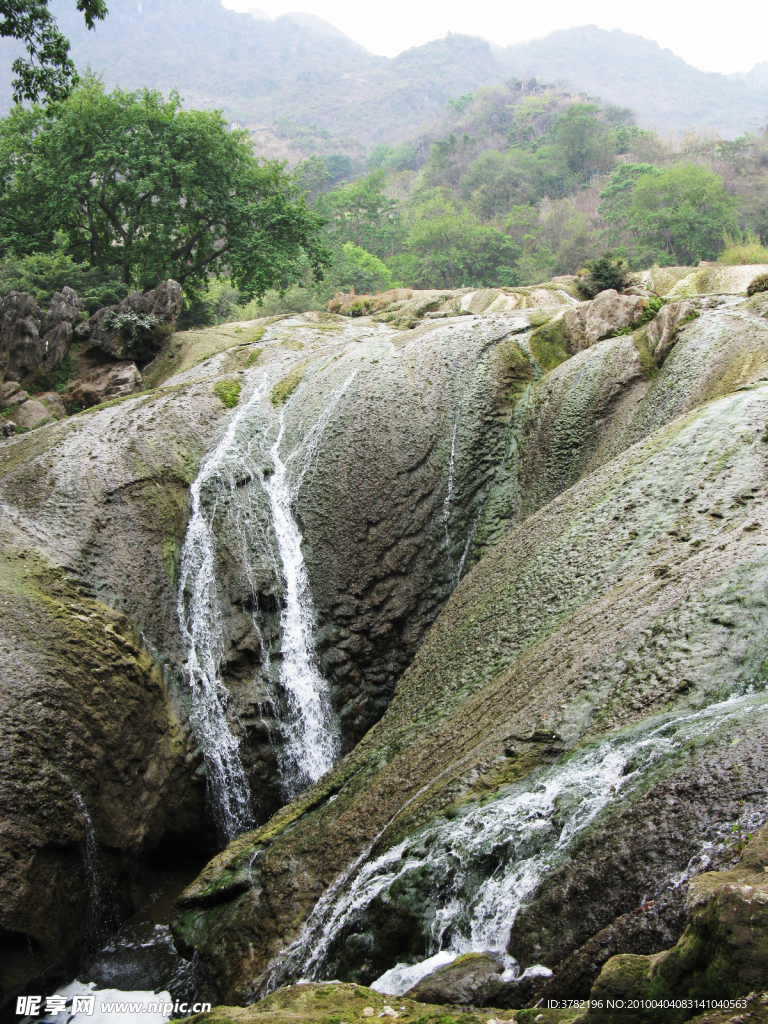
{"type": "Point", "coordinates": [267, 535]}
{"type": "Point", "coordinates": [449, 489]}
{"type": "Point", "coordinates": [313, 744]}
{"type": "Point", "coordinates": [201, 627]}
{"type": "Point", "coordinates": [480, 868]}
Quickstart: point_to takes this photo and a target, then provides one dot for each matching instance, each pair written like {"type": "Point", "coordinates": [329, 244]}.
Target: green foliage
{"type": "Point", "coordinates": [368, 273]}
{"type": "Point", "coordinates": [681, 213]}
{"type": "Point", "coordinates": [607, 271]}
{"type": "Point", "coordinates": [585, 140]}
{"type": "Point", "coordinates": [42, 274]}
{"type": "Point", "coordinates": [758, 284]}
{"type": "Point", "coordinates": [284, 388]}
{"type": "Point", "coordinates": [742, 249]}
{"type": "Point", "coordinates": [48, 73]}
{"type": "Point", "coordinates": [130, 324]}
{"type": "Point", "coordinates": [228, 391]}
{"type": "Point", "coordinates": [447, 248]}
{"type": "Point", "coordinates": [179, 195]}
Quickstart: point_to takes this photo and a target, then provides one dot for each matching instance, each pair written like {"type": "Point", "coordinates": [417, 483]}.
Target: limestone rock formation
{"type": "Point", "coordinates": [32, 341]}
{"type": "Point", "coordinates": [663, 330]}
{"type": "Point", "coordinates": [635, 592]}
{"type": "Point", "coordinates": [603, 317]}
{"type": "Point", "coordinates": [115, 380]}
{"type": "Point", "coordinates": [92, 753]}
{"type": "Point", "coordinates": [531, 578]}
{"type": "Point", "coordinates": [137, 327]}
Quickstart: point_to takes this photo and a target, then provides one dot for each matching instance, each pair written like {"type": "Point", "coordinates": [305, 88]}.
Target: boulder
{"type": "Point", "coordinates": [138, 326]}
{"type": "Point", "coordinates": [53, 403]}
{"type": "Point", "coordinates": [30, 414]}
{"type": "Point", "coordinates": [477, 979]}
{"type": "Point", "coordinates": [12, 394]}
{"type": "Point", "coordinates": [9, 428]}
{"type": "Point", "coordinates": [105, 382]}
{"type": "Point", "coordinates": [474, 979]}
{"type": "Point", "coordinates": [722, 954]}
{"type": "Point", "coordinates": [664, 330]}
{"type": "Point", "coordinates": [603, 317]}
{"type": "Point", "coordinates": [32, 341]}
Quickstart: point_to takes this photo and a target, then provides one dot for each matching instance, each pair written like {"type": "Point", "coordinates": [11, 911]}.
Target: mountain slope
{"type": "Point", "coordinates": [666, 93]}
{"type": "Point", "coordinates": [325, 86]}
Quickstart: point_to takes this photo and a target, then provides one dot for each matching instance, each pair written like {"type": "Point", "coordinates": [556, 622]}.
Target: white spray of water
{"type": "Point", "coordinates": [312, 736]}
{"type": "Point", "coordinates": [313, 742]}
{"type": "Point", "coordinates": [524, 834]}
{"type": "Point", "coordinates": [202, 630]}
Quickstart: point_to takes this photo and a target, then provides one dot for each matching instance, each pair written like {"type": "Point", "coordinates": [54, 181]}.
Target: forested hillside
{"type": "Point", "coordinates": [314, 89]}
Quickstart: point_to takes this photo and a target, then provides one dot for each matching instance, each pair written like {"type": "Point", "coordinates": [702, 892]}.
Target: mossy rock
{"type": "Point", "coordinates": [549, 344]}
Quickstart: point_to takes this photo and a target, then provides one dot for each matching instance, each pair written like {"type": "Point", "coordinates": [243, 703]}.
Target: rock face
{"type": "Point", "coordinates": [663, 330]}
{"type": "Point", "coordinates": [138, 326]}
{"type": "Point", "coordinates": [92, 754]}
{"type": "Point", "coordinates": [513, 557]}
{"type": "Point", "coordinates": [722, 954]}
{"type": "Point", "coordinates": [104, 383]}
{"type": "Point", "coordinates": [603, 317]}
{"type": "Point", "coordinates": [635, 592]}
{"type": "Point", "coordinates": [32, 341]}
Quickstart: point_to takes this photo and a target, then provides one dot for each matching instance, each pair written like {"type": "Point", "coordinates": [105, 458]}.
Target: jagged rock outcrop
{"type": "Point", "coordinates": [607, 314]}
{"type": "Point", "coordinates": [32, 341]}
{"type": "Point", "coordinates": [103, 383]}
{"type": "Point", "coordinates": [137, 327]}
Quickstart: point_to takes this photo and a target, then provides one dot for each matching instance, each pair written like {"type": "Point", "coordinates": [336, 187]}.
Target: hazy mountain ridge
{"type": "Point", "coordinates": [309, 74]}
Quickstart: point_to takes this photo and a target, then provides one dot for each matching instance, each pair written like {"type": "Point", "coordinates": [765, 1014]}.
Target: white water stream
{"type": "Point", "coordinates": [313, 741]}
{"type": "Point", "coordinates": [266, 533]}
{"type": "Point", "coordinates": [484, 865]}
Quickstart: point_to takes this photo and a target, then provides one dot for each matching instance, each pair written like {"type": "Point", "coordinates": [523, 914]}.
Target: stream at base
{"type": "Point", "coordinates": [474, 872]}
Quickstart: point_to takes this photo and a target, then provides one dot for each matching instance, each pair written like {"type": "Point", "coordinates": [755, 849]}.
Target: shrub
{"type": "Point", "coordinates": [130, 324]}
{"type": "Point", "coordinates": [607, 271]}
{"type": "Point", "coordinates": [758, 284]}
{"type": "Point", "coordinates": [742, 249]}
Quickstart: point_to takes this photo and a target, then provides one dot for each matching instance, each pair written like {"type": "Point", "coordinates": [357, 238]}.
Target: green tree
{"type": "Point", "coordinates": [585, 140]}
{"type": "Point", "coordinates": [447, 248]}
{"type": "Point", "coordinates": [360, 212]}
{"type": "Point", "coordinates": [681, 213]}
{"type": "Point", "coordinates": [48, 71]}
{"type": "Point", "coordinates": [134, 182]}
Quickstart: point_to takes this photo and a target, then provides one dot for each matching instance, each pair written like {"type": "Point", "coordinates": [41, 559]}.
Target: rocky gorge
{"type": "Point", "coordinates": [437, 627]}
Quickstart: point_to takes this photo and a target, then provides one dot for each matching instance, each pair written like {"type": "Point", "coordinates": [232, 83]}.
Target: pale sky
{"type": "Point", "coordinates": [713, 37]}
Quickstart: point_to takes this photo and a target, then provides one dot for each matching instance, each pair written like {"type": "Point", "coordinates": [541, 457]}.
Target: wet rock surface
{"type": "Point", "coordinates": [597, 589]}
{"type": "Point", "coordinates": [722, 954]}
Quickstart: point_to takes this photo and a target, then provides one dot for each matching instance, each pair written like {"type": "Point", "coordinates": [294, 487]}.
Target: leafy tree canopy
{"type": "Point", "coordinates": [48, 72]}
{"type": "Point", "coordinates": [681, 213]}
{"type": "Point", "coordinates": [135, 183]}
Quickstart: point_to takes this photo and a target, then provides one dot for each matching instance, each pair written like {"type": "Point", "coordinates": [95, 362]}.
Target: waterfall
{"type": "Point", "coordinates": [312, 745]}
{"type": "Point", "coordinates": [93, 919]}
{"type": "Point", "coordinates": [483, 866]}
{"type": "Point", "coordinates": [201, 628]}
{"type": "Point", "coordinates": [266, 530]}
{"type": "Point", "coordinates": [449, 489]}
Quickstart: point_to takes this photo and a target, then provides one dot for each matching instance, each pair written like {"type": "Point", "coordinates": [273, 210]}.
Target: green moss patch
{"type": "Point", "coordinates": [229, 392]}
{"type": "Point", "coordinates": [549, 344]}
{"type": "Point", "coordinates": [284, 388]}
